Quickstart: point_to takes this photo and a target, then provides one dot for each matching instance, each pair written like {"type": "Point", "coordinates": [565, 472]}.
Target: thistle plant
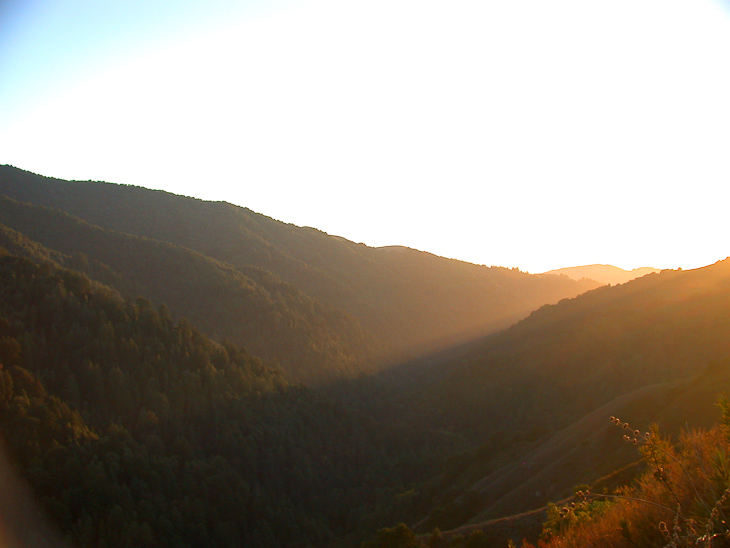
{"type": "Point", "coordinates": [682, 499]}
{"type": "Point", "coordinates": [659, 454]}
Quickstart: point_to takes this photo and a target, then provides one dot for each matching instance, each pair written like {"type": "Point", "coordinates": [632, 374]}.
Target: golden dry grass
{"type": "Point", "coordinates": [677, 501]}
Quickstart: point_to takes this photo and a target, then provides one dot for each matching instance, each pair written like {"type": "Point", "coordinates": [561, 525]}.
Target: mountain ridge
{"type": "Point", "coordinates": [223, 300]}
{"type": "Point", "coordinates": [410, 302]}
{"type": "Point", "coordinates": [603, 273]}
{"type": "Point", "coordinates": [504, 368]}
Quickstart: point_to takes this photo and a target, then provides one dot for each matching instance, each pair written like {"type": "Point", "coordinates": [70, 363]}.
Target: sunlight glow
{"type": "Point", "coordinates": [529, 134]}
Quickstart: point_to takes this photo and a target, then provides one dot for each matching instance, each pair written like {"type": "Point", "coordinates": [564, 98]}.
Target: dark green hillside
{"type": "Point", "coordinates": [309, 341]}
{"type": "Point", "coordinates": [411, 300]}
{"type": "Point", "coordinates": [135, 430]}
{"type": "Point", "coordinates": [14, 243]}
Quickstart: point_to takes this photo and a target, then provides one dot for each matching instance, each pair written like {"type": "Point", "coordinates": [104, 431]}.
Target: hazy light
{"type": "Point", "coordinates": [524, 133]}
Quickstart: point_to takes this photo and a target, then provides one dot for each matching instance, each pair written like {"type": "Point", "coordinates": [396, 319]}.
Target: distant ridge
{"type": "Point", "coordinates": [603, 273]}
{"type": "Point", "coordinates": [318, 305]}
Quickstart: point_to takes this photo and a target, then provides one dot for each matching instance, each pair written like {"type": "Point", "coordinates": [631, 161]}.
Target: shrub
{"type": "Point", "coordinates": [682, 499]}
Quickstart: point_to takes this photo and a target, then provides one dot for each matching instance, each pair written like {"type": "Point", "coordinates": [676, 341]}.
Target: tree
{"type": "Point", "coordinates": [400, 536]}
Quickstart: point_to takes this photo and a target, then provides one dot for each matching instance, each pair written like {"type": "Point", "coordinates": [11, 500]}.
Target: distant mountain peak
{"type": "Point", "coordinates": [399, 248]}
{"type": "Point", "coordinates": [603, 273]}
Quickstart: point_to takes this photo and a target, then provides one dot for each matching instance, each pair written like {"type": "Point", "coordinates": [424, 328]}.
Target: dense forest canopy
{"type": "Point", "coordinates": [308, 340]}
{"type": "Point", "coordinates": [125, 421]}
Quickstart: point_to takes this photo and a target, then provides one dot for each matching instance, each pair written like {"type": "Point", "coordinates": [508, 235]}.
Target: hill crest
{"type": "Point", "coordinates": [603, 273]}
{"type": "Point", "coordinates": [409, 301]}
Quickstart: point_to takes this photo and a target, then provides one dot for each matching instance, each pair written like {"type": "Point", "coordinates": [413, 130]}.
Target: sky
{"type": "Point", "coordinates": [517, 133]}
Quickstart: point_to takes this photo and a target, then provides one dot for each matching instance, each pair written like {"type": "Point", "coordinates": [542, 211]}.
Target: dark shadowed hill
{"type": "Point", "coordinates": [309, 341]}
{"type": "Point", "coordinates": [410, 300]}
{"type": "Point", "coordinates": [136, 430]}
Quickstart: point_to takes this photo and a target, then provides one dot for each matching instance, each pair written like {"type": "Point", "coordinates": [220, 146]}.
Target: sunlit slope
{"type": "Point", "coordinates": [603, 273]}
{"type": "Point", "coordinates": [311, 342]}
{"type": "Point", "coordinates": [413, 301]}
{"type": "Point", "coordinates": [535, 399]}
{"type": "Point", "coordinates": [567, 359]}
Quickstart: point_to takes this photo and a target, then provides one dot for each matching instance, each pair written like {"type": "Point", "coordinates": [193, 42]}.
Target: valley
{"type": "Point", "coordinates": [194, 373]}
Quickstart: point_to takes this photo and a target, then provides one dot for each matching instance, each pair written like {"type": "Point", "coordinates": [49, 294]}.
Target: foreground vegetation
{"type": "Point", "coordinates": [682, 499]}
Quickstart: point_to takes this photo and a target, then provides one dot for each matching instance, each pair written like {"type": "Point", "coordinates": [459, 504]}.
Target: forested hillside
{"type": "Point", "coordinates": [308, 340]}
{"type": "Point", "coordinates": [155, 353]}
{"type": "Point", "coordinates": [410, 301]}
{"type": "Point", "coordinates": [135, 430]}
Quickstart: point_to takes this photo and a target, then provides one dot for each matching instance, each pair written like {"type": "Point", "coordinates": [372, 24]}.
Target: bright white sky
{"type": "Point", "coordinates": [530, 133]}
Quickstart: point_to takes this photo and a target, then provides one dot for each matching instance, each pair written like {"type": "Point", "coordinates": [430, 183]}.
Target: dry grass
{"type": "Point", "coordinates": [679, 501]}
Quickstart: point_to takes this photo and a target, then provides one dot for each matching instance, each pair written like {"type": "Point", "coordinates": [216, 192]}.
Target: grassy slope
{"type": "Point", "coordinates": [581, 353]}
{"type": "Point", "coordinates": [510, 500]}
{"type": "Point", "coordinates": [536, 398]}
